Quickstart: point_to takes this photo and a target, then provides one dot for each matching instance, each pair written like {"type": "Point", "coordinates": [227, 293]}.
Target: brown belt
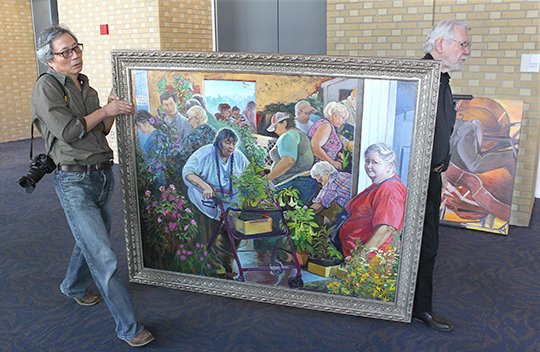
{"type": "Point", "coordinates": [106, 165]}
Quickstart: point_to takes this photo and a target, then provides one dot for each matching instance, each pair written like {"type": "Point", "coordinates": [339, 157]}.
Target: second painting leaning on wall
{"type": "Point", "coordinates": [479, 182]}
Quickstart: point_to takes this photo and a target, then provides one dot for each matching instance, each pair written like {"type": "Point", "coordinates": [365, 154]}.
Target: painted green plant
{"type": "Point", "coordinates": [322, 246]}
{"type": "Point", "coordinates": [289, 197]}
{"type": "Point", "coordinates": [346, 158]}
{"type": "Point", "coordinates": [302, 227]}
{"type": "Point", "coordinates": [299, 218]}
{"type": "Point", "coordinates": [253, 189]}
{"type": "Point", "coordinates": [314, 100]}
{"type": "Point", "coordinates": [370, 275]}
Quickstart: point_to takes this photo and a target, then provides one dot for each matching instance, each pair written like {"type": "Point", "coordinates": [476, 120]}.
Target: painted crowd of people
{"type": "Point", "coordinates": [308, 155]}
{"type": "Point", "coordinates": [233, 114]}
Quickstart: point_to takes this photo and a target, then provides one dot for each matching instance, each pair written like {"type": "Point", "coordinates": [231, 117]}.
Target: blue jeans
{"type": "Point", "coordinates": [307, 186]}
{"type": "Point", "coordinates": [87, 202]}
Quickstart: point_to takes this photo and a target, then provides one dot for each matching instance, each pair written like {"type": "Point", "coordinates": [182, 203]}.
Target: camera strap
{"type": "Point", "coordinates": [66, 99]}
{"type": "Point", "coordinates": [32, 143]}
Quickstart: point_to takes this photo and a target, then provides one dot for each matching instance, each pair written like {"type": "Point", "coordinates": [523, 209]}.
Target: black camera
{"type": "Point", "coordinates": [39, 166]}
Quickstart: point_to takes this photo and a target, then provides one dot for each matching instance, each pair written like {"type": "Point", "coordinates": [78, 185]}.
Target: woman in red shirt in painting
{"type": "Point", "coordinates": [378, 211]}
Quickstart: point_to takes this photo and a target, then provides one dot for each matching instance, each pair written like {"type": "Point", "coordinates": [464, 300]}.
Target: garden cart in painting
{"type": "Point", "coordinates": [258, 225]}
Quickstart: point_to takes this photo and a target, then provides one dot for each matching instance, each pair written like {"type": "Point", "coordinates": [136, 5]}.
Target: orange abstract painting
{"type": "Point", "coordinates": [478, 185]}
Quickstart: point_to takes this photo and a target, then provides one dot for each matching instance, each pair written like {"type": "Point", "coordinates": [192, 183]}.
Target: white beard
{"type": "Point", "coordinates": [455, 67]}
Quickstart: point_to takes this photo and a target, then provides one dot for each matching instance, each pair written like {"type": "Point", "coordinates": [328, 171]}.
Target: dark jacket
{"type": "Point", "coordinates": [444, 124]}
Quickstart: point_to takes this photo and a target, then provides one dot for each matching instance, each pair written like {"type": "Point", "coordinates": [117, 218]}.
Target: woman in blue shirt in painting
{"type": "Point", "coordinates": [208, 172]}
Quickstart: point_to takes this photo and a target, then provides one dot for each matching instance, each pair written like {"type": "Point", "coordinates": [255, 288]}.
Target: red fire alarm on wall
{"type": "Point", "coordinates": [103, 29]}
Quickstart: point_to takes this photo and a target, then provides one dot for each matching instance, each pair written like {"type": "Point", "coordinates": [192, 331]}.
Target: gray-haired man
{"type": "Point", "coordinates": [448, 42]}
{"type": "Point", "coordinates": [66, 111]}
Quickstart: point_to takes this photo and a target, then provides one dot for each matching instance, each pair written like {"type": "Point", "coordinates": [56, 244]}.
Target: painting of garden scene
{"type": "Point", "coordinates": [292, 181]}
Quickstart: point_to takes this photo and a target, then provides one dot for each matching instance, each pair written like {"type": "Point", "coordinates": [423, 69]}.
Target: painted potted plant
{"type": "Point", "coordinates": [324, 259]}
{"type": "Point", "coordinates": [324, 252]}
{"type": "Point", "coordinates": [253, 189]}
{"type": "Point", "coordinates": [300, 220]}
{"type": "Point", "coordinates": [254, 196]}
{"type": "Point", "coordinates": [302, 226]}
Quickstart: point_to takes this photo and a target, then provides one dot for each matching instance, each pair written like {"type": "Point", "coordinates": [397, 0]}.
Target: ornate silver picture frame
{"type": "Point", "coordinates": [174, 241]}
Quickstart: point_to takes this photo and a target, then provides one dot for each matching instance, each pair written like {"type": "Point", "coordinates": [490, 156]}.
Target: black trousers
{"type": "Point", "coordinates": [430, 244]}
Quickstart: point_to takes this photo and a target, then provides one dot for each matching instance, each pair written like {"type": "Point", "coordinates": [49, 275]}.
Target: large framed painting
{"type": "Point", "coordinates": [479, 182]}
{"type": "Point", "coordinates": [293, 180]}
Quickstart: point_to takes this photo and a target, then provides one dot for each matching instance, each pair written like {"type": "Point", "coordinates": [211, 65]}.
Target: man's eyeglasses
{"type": "Point", "coordinates": [463, 45]}
{"type": "Point", "coordinates": [66, 54]}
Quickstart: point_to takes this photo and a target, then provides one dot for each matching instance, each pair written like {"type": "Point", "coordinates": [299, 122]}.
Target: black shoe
{"type": "Point", "coordinates": [433, 322]}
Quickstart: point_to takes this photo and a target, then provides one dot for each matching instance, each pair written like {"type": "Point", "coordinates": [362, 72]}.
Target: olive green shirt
{"type": "Point", "coordinates": [54, 118]}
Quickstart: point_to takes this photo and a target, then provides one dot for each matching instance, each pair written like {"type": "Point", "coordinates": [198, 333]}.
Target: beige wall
{"type": "Point", "coordinates": [502, 31]}
{"type": "Point", "coordinates": [134, 24]}
{"type": "Point", "coordinates": [186, 25]}
{"type": "Point", "coordinates": [18, 69]}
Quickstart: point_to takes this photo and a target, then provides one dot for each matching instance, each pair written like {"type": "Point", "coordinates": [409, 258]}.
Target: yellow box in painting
{"type": "Point", "coordinates": [251, 227]}
{"type": "Point", "coordinates": [325, 271]}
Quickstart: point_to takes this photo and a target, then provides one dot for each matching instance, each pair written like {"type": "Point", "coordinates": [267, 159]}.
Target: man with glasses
{"type": "Point", "coordinates": [449, 43]}
{"type": "Point", "coordinates": [66, 111]}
